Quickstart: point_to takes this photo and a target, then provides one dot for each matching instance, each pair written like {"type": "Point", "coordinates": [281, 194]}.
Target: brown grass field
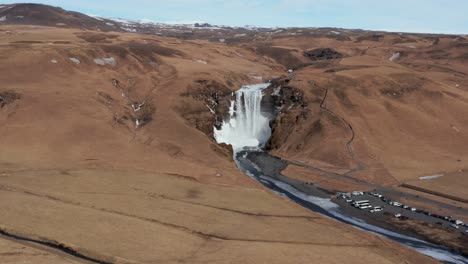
{"type": "Point", "coordinates": [76, 170]}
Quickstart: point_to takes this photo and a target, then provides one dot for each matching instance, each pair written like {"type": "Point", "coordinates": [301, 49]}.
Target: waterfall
{"type": "Point", "coordinates": [247, 126]}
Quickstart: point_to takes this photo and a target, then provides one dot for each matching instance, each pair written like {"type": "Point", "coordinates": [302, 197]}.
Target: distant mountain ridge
{"type": "Point", "coordinates": [45, 15]}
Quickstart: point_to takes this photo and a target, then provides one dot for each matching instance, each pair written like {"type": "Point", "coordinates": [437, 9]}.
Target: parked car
{"type": "Point", "coordinates": [361, 202]}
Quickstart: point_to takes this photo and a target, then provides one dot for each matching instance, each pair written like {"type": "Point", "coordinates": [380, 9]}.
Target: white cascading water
{"type": "Point", "coordinates": [247, 127]}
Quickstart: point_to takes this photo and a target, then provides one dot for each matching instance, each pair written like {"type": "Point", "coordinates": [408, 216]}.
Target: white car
{"type": "Point", "coordinates": [413, 209]}
{"type": "Point", "coordinates": [397, 215]}
{"type": "Point", "coordinates": [454, 226]}
{"type": "Point", "coordinates": [458, 222]}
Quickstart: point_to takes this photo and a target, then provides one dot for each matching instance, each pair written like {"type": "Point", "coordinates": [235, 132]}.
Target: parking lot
{"type": "Point", "coordinates": [373, 203]}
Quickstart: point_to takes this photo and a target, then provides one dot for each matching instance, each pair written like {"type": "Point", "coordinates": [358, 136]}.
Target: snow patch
{"type": "Point", "coordinates": [105, 61]}
{"type": "Point", "coordinates": [250, 27]}
{"type": "Point", "coordinates": [431, 177]}
{"type": "Point", "coordinates": [395, 56]}
{"type": "Point", "coordinates": [54, 61]}
{"type": "Point", "coordinates": [137, 107]}
{"type": "Point", "coordinates": [3, 18]}
{"type": "Point", "coordinates": [129, 29]}
{"type": "Point", "coordinates": [200, 61]}
{"type": "Point", "coordinates": [75, 60]}
{"type": "Point", "coordinates": [95, 17]}
{"type": "Point", "coordinates": [211, 110]}
{"type": "Point", "coordinates": [256, 77]}
{"type": "Point", "coordinates": [120, 20]}
{"type": "Point", "coordinates": [276, 91]}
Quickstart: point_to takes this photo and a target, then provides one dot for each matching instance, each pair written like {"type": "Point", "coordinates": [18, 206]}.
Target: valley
{"type": "Point", "coordinates": [108, 142]}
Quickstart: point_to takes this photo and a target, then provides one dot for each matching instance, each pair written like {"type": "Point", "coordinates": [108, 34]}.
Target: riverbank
{"type": "Point", "coordinates": [267, 169]}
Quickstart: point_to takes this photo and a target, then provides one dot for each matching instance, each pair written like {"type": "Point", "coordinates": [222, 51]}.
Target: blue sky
{"type": "Point", "coordinates": [437, 16]}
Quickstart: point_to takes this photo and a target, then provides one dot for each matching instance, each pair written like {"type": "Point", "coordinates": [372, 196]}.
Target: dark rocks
{"type": "Point", "coordinates": [145, 113]}
{"type": "Point", "coordinates": [372, 37]}
{"type": "Point", "coordinates": [201, 25]}
{"type": "Point", "coordinates": [282, 56]}
{"type": "Point", "coordinates": [8, 97]}
{"type": "Point", "coordinates": [323, 54]}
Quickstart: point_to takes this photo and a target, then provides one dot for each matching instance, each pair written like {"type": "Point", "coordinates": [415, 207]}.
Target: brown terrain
{"type": "Point", "coordinates": [107, 146]}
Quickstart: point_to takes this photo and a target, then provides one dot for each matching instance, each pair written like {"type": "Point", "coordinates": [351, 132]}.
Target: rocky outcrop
{"type": "Point", "coordinates": [287, 106]}
{"type": "Point", "coordinates": [8, 97]}
{"type": "Point", "coordinates": [206, 104]}
{"type": "Point", "coordinates": [323, 54]}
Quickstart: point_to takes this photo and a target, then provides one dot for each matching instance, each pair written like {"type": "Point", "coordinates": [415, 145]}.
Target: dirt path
{"type": "Point", "coordinates": [349, 145]}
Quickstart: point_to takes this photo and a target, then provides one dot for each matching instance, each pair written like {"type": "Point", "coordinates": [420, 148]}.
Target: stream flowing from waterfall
{"type": "Point", "coordinates": [248, 130]}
